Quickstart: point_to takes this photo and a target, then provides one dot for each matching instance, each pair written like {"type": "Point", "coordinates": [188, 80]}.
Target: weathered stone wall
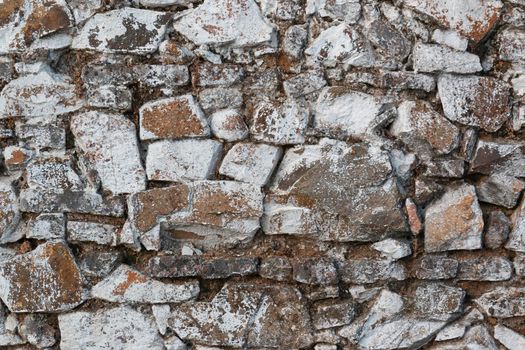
{"type": "Point", "coordinates": [262, 174]}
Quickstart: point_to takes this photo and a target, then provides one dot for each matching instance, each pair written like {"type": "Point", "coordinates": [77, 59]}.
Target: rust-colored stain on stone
{"type": "Point", "coordinates": [158, 202]}
{"type": "Point", "coordinates": [132, 277]}
{"type": "Point", "coordinates": [172, 120]}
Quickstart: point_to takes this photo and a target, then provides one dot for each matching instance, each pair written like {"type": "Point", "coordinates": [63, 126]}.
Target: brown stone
{"type": "Point", "coordinates": [152, 204]}
{"type": "Point", "coordinates": [454, 221]}
{"type": "Point", "coordinates": [172, 118]}
{"type": "Point", "coordinates": [44, 280]}
{"type": "Point", "coordinates": [348, 190]}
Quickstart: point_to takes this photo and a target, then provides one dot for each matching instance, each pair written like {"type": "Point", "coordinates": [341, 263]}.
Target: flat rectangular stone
{"type": "Point", "coordinates": [192, 266]}
{"type": "Point", "coordinates": [49, 201]}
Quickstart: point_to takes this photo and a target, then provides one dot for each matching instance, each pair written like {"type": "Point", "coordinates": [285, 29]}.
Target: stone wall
{"type": "Point", "coordinates": [262, 174]}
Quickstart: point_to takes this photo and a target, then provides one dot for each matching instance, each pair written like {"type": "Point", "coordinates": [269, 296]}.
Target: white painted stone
{"type": "Point", "coordinates": [9, 209]}
{"type": "Point", "coordinates": [182, 160]}
{"type": "Point", "coordinates": [288, 219]}
{"type": "Point", "coordinates": [399, 334]}
{"type": "Point", "coordinates": [81, 231]}
{"type": "Point", "coordinates": [48, 226]}
{"type": "Point", "coordinates": [125, 30]}
{"type": "Point", "coordinates": [435, 58]}
{"type": "Point", "coordinates": [108, 145]}
{"type": "Point", "coordinates": [119, 328]}
{"type": "Point", "coordinates": [476, 337]}
{"type": "Point", "coordinates": [393, 248]}
{"type": "Point", "coordinates": [280, 124]}
{"type": "Point", "coordinates": [347, 10]}
{"type": "Point", "coordinates": [42, 94]}
{"type": "Point", "coordinates": [229, 125]}
{"type": "Point", "coordinates": [385, 307]}
{"type": "Point", "coordinates": [511, 339]}
{"type": "Point", "coordinates": [165, 3]}
{"type": "Point", "coordinates": [236, 23]}
{"type": "Point", "coordinates": [516, 239]}
{"type": "Point", "coordinates": [49, 269]}
{"type": "Point", "coordinates": [458, 328]}
{"type": "Point", "coordinates": [451, 38]}
{"type": "Point", "coordinates": [251, 162]}
{"type": "Point", "coordinates": [127, 285]}
{"type": "Point", "coordinates": [341, 44]}
{"type": "Point", "coordinates": [174, 343]}
{"type": "Point", "coordinates": [472, 19]}
{"type": "Point", "coordinates": [29, 20]}
{"type": "Point", "coordinates": [162, 313]}
{"type": "Point", "coordinates": [345, 112]}
{"type": "Point", "coordinates": [475, 100]}
{"type": "Point", "coordinates": [53, 173]}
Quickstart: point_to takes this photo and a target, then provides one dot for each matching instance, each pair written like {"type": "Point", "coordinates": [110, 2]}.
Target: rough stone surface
{"type": "Point", "coordinates": [248, 308]}
{"type": "Point", "coordinates": [172, 118]}
{"type": "Point", "coordinates": [485, 269]}
{"type": "Point", "coordinates": [488, 106]}
{"type": "Point", "coordinates": [250, 162]}
{"type": "Point", "coordinates": [126, 285]}
{"type": "Point", "coordinates": [503, 302]}
{"type": "Point", "coordinates": [41, 94]}
{"type": "Point", "coordinates": [499, 157]}
{"type": "Point", "coordinates": [341, 44]}
{"type": "Point", "coordinates": [472, 19]}
{"type": "Point", "coordinates": [44, 280]}
{"type": "Point", "coordinates": [439, 301]}
{"type": "Point", "coordinates": [497, 228]}
{"type": "Point", "coordinates": [455, 221]}
{"type": "Point", "coordinates": [125, 30]}
{"type": "Point", "coordinates": [229, 125]}
{"type": "Point", "coordinates": [207, 213]}
{"type": "Point", "coordinates": [235, 23]}
{"type": "Point", "coordinates": [114, 328]}
{"type": "Point", "coordinates": [416, 124]}
{"type": "Point", "coordinates": [262, 174]}
{"type": "Point", "coordinates": [344, 112]}
{"type": "Point", "coordinates": [109, 147]}
{"type": "Point", "coordinates": [182, 160]}
{"type": "Point", "coordinates": [284, 124]}
{"type": "Point", "coordinates": [500, 190]}
{"type": "Point", "coordinates": [435, 58]}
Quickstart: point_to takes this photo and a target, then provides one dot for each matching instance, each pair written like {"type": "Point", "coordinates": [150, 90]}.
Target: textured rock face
{"type": "Point", "coordinates": [252, 312]}
{"type": "Point", "coordinates": [108, 145]}
{"type": "Point", "coordinates": [454, 222]}
{"type": "Point", "coordinates": [126, 285]}
{"type": "Point", "coordinates": [435, 58]}
{"type": "Point", "coordinates": [207, 212]}
{"type": "Point", "coordinates": [340, 44]}
{"type": "Point", "coordinates": [235, 23]}
{"type": "Point", "coordinates": [182, 160]}
{"type": "Point", "coordinates": [416, 124]}
{"type": "Point", "coordinates": [339, 184]}
{"type": "Point", "coordinates": [26, 21]}
{"type": "Point", "coordinates": [346, 112]}
{"type": "Point", "coordinates": [262, 174]}
{"type": "Point", "coordinates": [489, 100]}
{"type": "Point", "coordinates": [172, 118]}
{"type": "Point", "coordinates": [115, 328]}
{"type": "Point", "coordinates": [41, 94]}
{"type": "Point", "coordinates": [123, 30]}
{"type": "Point", "coordinates": [44, 280]}
{"type": "Point", "coordinates": [472, 19]}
